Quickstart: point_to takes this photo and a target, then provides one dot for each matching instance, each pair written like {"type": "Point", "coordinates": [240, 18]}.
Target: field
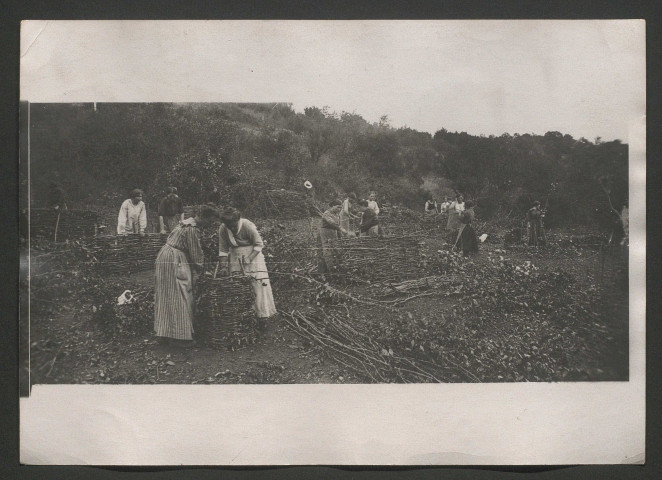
{"type": "Point", "coordinates": [511, 313]}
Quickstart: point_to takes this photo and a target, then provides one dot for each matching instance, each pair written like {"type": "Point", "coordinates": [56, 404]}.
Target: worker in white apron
{"type": "Point", "coordinates": [240, 242]}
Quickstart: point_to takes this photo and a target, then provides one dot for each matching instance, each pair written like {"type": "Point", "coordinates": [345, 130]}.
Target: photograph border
{"type": "Point", "coordinates": [10, 260]}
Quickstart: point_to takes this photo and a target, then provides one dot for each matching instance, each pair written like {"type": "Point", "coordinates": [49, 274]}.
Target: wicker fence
{"type": "Point", "coordinates": [60, 225]}
{"type": "Point", "coordinates": [378, 259]}
{"type": "Point", "coordinates": [118, 254]}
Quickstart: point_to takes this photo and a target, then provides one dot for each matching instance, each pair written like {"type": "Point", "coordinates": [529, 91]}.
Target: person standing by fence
{"type": "Point", "coordinates": [467, 237]}
{"type": "Point", "coordinates": [454, 211]}
{"type": "Point", "coordinates": [133, 214]}
{"type": "Point", "coordinates": [171, 211]}
{"type": "Point", "coordinates": [346, 213]}
{"type": "Point", "coordinates": [329, 230]}
{"type": "Point", "coordinates": [369, 222]}
{"type": "Point", "coordinates": [430, 206]}
{"type": "Point", "coordinates": [534, 222]}
{"type": "Point", "coordinates": [372, 202]}
{"type": "Point", "coordinates": [174, 281]}
{"type": "Point", "coordinates": [240, 243]}
{"type": "Point", "coordinates": [443, 208]}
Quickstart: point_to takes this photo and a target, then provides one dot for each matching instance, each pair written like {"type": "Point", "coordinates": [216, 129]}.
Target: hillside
{"type": "Point", "coordinates": [99, 152]}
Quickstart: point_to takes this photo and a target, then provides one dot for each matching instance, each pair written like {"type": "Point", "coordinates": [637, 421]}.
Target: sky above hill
{"type": "Point", "coordinates": [582, 77]}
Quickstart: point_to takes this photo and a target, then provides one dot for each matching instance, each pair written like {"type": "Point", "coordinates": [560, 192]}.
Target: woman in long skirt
{"type": "Point", "coordinates": [467, 237]}
{"type": "Point", "coordinates": [241, 243]}
{"type": "Point", "coordinates": [454, 211]}
{"type": "Point", "coordinates": [173, 294]}
{"type": "Point", "coordinates": [345, 213]}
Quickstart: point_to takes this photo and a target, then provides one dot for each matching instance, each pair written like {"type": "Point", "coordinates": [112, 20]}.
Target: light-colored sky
{"type": "Point", "coordinates": [585, 78]}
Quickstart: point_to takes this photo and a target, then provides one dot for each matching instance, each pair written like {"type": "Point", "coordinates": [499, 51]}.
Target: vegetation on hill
{"type": "Point", "coordinates": [98, 153]}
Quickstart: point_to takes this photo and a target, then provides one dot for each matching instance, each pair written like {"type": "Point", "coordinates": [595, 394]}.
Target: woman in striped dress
{"type": "Point", "coordinates": [173, 296]}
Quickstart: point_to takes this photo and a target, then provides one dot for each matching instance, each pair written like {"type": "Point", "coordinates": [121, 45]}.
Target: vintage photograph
{"type": "Point", "coordinates": [288, 242]}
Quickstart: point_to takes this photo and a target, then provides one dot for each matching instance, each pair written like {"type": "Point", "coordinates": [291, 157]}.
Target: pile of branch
{"type": "Point", "coordinates": [119, 254]}
{"type": "Point", "coordinates": [355, 350]}
{"type": "Point", "coordinates": [379, 259]}
{"type": "Point", "coordinates": [60, 225]}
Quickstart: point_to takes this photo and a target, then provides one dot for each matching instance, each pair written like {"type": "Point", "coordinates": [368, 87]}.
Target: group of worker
{"type": "Point", "coordinates": [181, 260]}
{"type": "Point", "coordinates": [461, 215]}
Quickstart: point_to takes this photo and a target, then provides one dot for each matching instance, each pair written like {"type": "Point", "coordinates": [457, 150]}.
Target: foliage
{"type": "Point", "coordinates": [200, 147]}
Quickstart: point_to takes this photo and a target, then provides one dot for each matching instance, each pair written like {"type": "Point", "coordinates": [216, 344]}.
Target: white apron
{"type": "Point", "coordinates": [264, 301]}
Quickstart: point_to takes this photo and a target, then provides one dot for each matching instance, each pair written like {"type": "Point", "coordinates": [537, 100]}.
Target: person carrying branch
{"type": "Point", "coordinates": [171, 211]}
{"type": "Point", "coordinates": [240, 250]}
{"type": "Point", "coordinates": [174, 279]}
{"type": "Point", "coordinates": [534, 223]}
{"type": "Point", "coordinates": [133, 215]}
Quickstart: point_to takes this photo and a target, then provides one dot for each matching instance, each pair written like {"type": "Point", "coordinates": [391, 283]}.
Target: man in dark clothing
{"type": "Point", "coordinates": [369, 221]}
{"type": "Point", "coordinates": [171, 211]}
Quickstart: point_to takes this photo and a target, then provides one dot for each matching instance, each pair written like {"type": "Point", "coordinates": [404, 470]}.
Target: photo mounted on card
{"type": "Point", "coordinates": [332, 242]}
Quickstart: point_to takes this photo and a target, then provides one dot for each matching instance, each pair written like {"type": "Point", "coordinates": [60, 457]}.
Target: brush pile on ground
{"type": "Point", "coordinates": [334, 333]}
{"type": "Point", "coordinates": [515, 322]}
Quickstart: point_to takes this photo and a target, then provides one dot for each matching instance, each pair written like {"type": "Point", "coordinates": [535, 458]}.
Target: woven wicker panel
{"type": "Point", "coordinates": [379, 259]}
{"type": "Point", "coordinates": [118, 254]}
{"type": "Point", "coordinates": [69, 224]}
{"type": "Point", "coordinates": [224, 309]}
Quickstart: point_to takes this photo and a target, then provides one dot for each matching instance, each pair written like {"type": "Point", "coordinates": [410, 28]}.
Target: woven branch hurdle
{"type": "Point", "coordinates": [225, 311]}
{"type": "Point", "coordinates": [67, 224]}
{"type": "Point", "coordinates": [118, 254]}
{"type": "Point", "coordinates": [378, 259]}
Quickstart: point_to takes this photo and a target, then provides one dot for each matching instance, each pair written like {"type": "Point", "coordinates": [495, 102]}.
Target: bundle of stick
{"type": "Point", "coordinates": [355, 350]}
{"type": "Point", "coordinates": [225, 311]}
{"type": "Point", "coordinates": [118, 254]}
{"type": "Point", "coordinates": [59, 225]}
{"type": "Point", "coordinates": [378, 259]}
{"type": "Point", "coordinates": [433, 282]}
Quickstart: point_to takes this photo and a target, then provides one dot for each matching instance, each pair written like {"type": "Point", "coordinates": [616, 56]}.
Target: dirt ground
{"type": "Point", "coordinates": [67, 347]}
